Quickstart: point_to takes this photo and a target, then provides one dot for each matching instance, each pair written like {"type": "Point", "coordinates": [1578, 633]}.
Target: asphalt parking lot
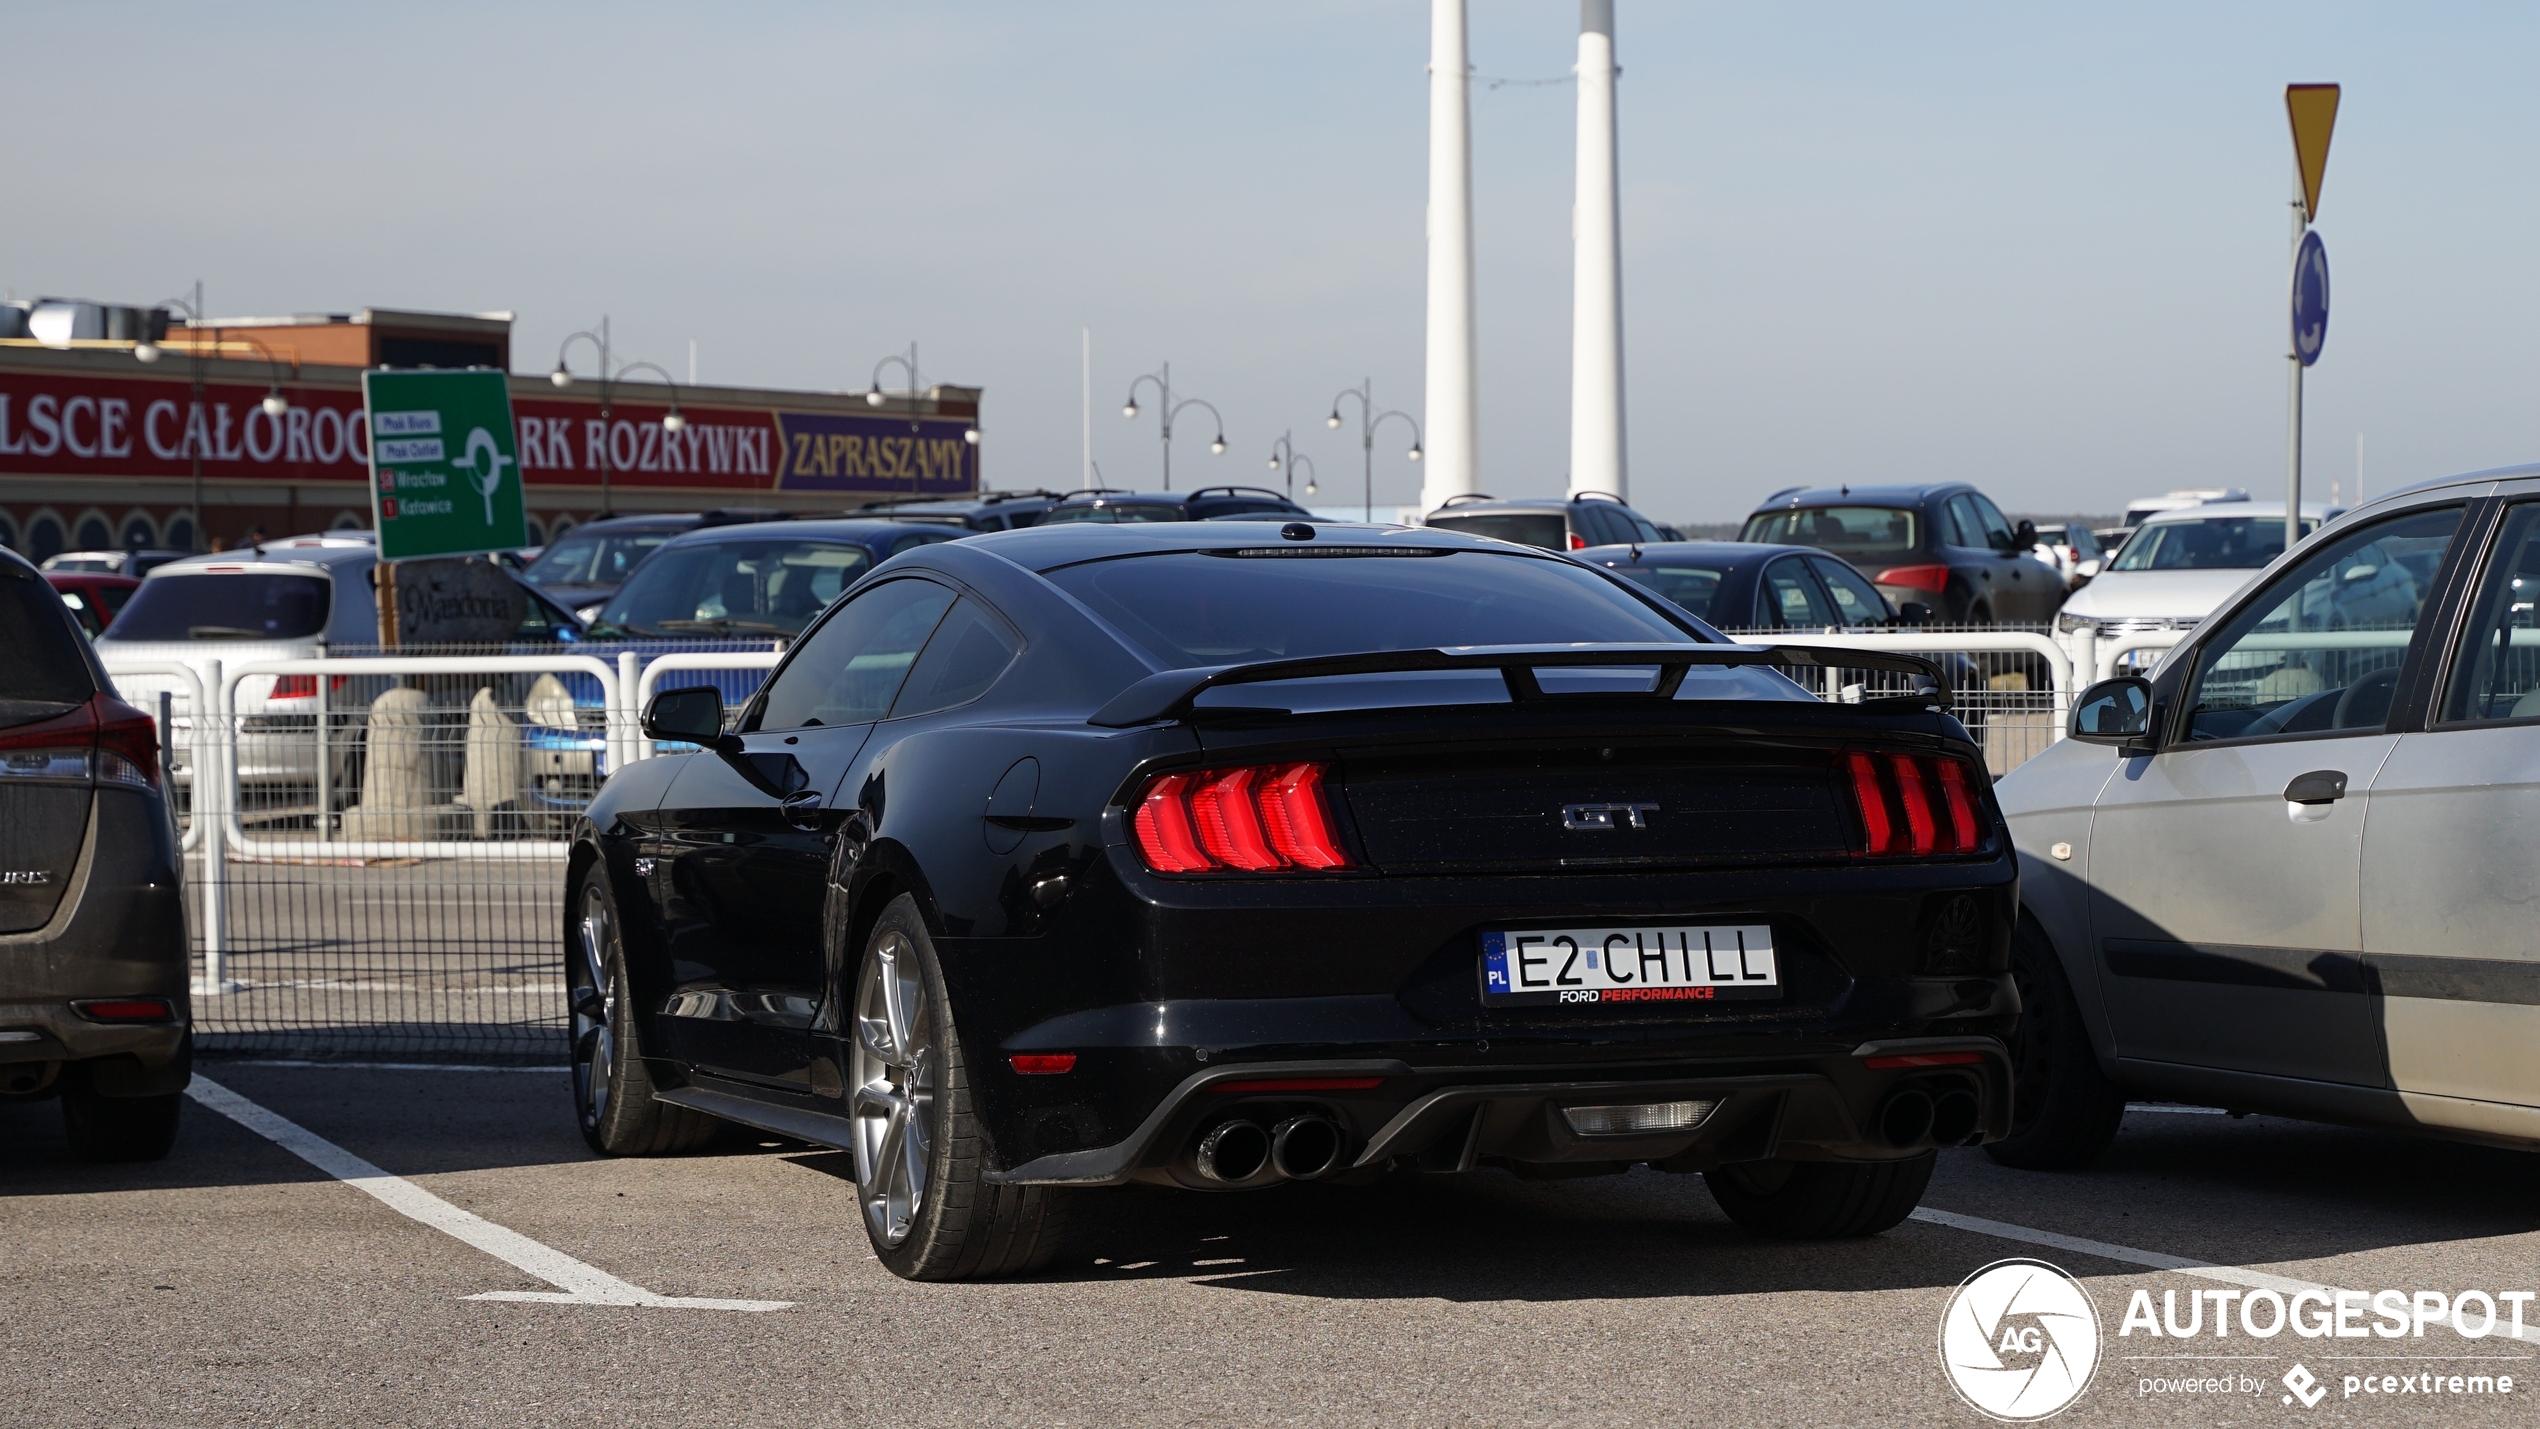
{"type": "Point", "coordinates": [236, 1283]}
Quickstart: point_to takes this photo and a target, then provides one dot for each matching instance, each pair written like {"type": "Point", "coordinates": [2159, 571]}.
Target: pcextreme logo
{"type": "Point", "coordinates": [2020, 1340]}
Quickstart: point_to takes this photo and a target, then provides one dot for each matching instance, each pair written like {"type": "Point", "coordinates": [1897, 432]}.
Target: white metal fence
{"type": "Point", "coordinates": [374, 845]}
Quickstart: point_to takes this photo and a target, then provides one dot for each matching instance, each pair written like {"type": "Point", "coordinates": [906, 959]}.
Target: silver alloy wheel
{"type": "Point", "coordinates": [893, 1103]}
{"type": "Point", "coordinates": [594, 1002]}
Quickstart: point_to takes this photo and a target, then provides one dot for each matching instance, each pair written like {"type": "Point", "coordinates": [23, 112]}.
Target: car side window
{"type": "Point", "coordinates": [967, 653]}
{"type": "Point", "coordinates": [2496, 672]}
{"type": "Point", "coordinates": [2320, 648]}
{"type": "Point", "coordinates": [851, 666]}
{"type": "Point", "coordinates": [915, 539]}
{"type": "Point", "coordinates": [1954, 523]}
{"type": "Point", "coordinates": [1646, 530]}
{"type": "Point", "coordinates": [1996, 526]}
{"type": "Point", "coordinates": [1856, 601]}
{"type": "Point", "coordinates": [1790, 598]}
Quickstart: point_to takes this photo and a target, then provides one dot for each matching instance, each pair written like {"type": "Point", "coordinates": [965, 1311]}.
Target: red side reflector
{"type": "Point", "coordinates": [127, 1009]}
{"type": "Point", "coordinates": [1043, 1064]}
{"type": "Point", "coordinates": [1964, 832]}
{"type": "Point", "coordinates": [1921, 1059]}
{"type": "Point", "coordinates": [1934, 579]}
{"type": "Point", "coordinates": [1878, 832]}
{"type": "Point", "coordinates": [1303, 1084]}
{"type": "Point", "coordinates": [1922, 836]}
{"type": "Point", "coordinates": [1259, 818]}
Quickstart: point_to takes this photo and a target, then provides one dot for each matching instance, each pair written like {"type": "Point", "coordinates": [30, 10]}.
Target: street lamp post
{"type": "Point", "coordinates": [1369, 419]}
{"type": "Point", "coordinates": [916, 386]}
{"type": "Point", "coordinates": [147, 351]}
{"type": "Point", "coordinates": [609, 378]}
{"type": "Point", "coordinates": [1167, 409]}
{"type": "Point", "coordinates": [1285, 456]}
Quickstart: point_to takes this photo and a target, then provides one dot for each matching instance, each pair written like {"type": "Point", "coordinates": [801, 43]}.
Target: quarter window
{"type": "Point", "coordinates": [1855, 600]}
{"type": "Point", "coordinates": [2320, 649]}
{"type": "Point", "coordinates": [850, 667]}
{"type": "Point", "coordinates": [969, 650]}
{"type": "Point", "coordinates": [2496, 675]}
{"type": "Point", "coordinates": [1791, 599]}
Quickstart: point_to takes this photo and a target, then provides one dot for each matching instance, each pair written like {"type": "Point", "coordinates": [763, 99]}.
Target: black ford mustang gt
{"type": "Point", "coordinates": [1220, 855]}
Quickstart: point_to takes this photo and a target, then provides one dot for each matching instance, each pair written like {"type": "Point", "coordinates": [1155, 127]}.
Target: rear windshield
{"type": "Point", "coordinates": [1693, 587]}
{"type": "Point", "coordinates": [1189, 609]}
{"type": "Point", "coordinates": [1872, 532]}
{"type": "Point", "coordinates": [1544, 530]}
{"type": "Point", "coordinates": [1114, 514]}
{"type": "Point", "coordinates": [44, 674]}
{"type": "Point", "coordinates": [2211, 543]}
{"type": "Point", "coordinates": [588, 557]}
{"type": "Point", "coordinates": [229, 605]}
{"type": "Point", "coordinates": [109, 564]}
{"type": "Point", "coordinates": [761, 587]}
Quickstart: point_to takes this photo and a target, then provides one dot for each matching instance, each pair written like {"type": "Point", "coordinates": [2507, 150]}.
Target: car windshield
{"type": "Point", "coordinates": [1693, 587]}
{"type": "Point", "coordinates": [2208, 543]}
{"type": "Point", "coordinates": [44, 675]}
{"type": "Point", "coordinates": [746, 588]}
{"type": "Point", "coordinates": [226, 605]}
{"type": "Point", "coordinates": [1189, 608]}
{"type": "Point", "coordinates": [1544, 530]}
{"type": "Point", "coordinates": [1854, 532]}
{"type": "Point", "coordinates": [594, 557]}
{"type": "Point", "coordinates": [1115, 514]}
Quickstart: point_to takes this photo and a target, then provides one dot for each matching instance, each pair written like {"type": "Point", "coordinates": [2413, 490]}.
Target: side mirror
{"type": "Point", "coordinates": [2025, 538]}
{"type": "Point", "coordinates": [693, 715]}
{"type": "Point", "coordinates": [1914, 612]}
{"type": "Point", "coordinates": [2117, 711]}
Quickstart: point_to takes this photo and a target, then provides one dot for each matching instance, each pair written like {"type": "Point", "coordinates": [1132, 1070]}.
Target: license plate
{"type": "Point", "coordinates": [1629, 965]}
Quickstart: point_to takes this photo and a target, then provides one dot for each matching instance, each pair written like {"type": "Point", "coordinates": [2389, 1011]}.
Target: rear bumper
{"type": "Point", "coordinates": [1822, 1107]}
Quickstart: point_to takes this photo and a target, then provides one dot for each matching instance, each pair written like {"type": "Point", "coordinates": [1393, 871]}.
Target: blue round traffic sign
{"type": "Point", "coordinates": [2310, 299]}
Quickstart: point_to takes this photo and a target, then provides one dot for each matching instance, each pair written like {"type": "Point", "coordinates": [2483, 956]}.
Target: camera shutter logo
{"type": "Point", "coordinates": [2020, 1340]}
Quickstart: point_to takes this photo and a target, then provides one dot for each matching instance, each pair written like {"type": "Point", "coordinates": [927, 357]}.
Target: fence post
{"type": "Point", "coordinates": [325, 765]}
{"type": "Point", "coordinates": [622, 726]}
{"type": "Point", "coordinates": [211, 783]}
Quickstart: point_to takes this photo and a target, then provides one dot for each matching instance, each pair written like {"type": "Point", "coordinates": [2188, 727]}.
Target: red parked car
{"type": "Point", "coordinates": [94, 597]}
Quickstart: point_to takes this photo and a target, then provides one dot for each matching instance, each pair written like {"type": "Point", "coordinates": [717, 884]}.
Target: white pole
{"type": "Point", "coordinates": [215, 803]}
{"type": "Point", "coordinates": [2293, 418]}
{"type": "Point", "coordinates": [2359, 468]}
{"type": "Point", "coordinates": [1085, 474]}
{"type": "Point", "coordinates": [692, 362]}
{"type": "Point", "coordinates": [1596, 292]}
{"type": "Point", "coordinates": [1451, 461]}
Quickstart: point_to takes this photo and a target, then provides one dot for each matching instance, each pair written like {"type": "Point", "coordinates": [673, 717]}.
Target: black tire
{"type": "Point", "coordinates": [2064, 1110]}
{"type": "Point", "coordinates": [1820, 1200]}
{"type": "Point", "coordinates": [907, 1071]}
{"type": "Point", "coordinates": [612, 1092]}
{"type": "Point", "coordinates": [103, 1128]}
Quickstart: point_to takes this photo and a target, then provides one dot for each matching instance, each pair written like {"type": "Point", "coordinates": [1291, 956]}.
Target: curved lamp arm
{"type": "Point", "coordinates": [675, 420]}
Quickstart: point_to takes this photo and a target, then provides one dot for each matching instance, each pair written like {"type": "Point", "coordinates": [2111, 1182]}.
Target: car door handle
{"type": "Point", "coordinates": [2320, 786]}
{"type": "Point", "coordinates": [801, 808]}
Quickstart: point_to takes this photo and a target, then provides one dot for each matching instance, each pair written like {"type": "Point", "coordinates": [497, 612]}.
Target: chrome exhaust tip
{"type": "Point", "coordinates": [1305, 1147]}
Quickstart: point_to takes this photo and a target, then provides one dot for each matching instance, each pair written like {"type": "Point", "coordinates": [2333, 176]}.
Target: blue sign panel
{"type": "Point", "coordinates": [2310, 299]}
{"type": "Point", "coordinates": [825, 451]}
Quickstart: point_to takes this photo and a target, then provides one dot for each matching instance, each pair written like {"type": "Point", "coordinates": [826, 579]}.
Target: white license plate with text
{"type": "Point", "coordinates": [1583, 966]}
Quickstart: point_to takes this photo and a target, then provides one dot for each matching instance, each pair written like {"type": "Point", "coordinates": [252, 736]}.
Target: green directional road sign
{"type": "Point", "coordinates": [444, 473]}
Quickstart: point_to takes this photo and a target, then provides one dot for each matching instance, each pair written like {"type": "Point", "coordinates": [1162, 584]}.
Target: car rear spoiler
{"type": "Point", "coordinates": [1170, 694]}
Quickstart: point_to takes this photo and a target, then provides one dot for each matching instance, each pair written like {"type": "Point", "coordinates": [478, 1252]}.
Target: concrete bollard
{"type": "Point", "coordinates": [396, 782]}
{"type": "Point", "coordinates": [491, 785]}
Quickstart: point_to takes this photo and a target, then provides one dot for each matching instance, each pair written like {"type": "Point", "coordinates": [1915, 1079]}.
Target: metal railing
{"type": "Point", "coordinates": [2013, 689]}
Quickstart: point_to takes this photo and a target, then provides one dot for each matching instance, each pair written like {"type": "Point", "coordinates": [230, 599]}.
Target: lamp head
{"type": "Point", "coordinates": [1310, 487]}
{"type": "Point", "coordinates": [873, 398]}
{"type": "Point", "coordinates": [1218, 447]}
{"type": "Point", "coordinates": [1415, 452]}
{"type": "Point", "coordinates": [674, 421]}
{"type": "Point", "coordinates": [1333, 420]}
{"type": "Point", "coordinates": [1274, 461]}
{"type": "Point", "coordinates": [560, 376]}
{"type": "Point", "coordinates": [274, 405]}
{"type": "Point", "coordinates": [145, 352]}
{"type": "Point", "coordinates": [1129, 408]}
{"type": "Point", "coordinates": [971, 436]}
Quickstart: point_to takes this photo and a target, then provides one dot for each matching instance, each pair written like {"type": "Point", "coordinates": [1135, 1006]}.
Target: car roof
{"type": "Point", "coordinates": [2224, 510]}
{"type": "Point", "coordinates": [1047, 548]}
{"type": "Point", "coordinates": [90, 578]}
{"type": "Point", "coordinates": [1694, 553]}
{"type": "Point", "coordinates": [979, 502]}
{"type": "Point", "coordinates": [299, 554]}
{"type": "Point", "coordinates": [848, 531]}
{"type": "Point", "coordinates": [1914, 494]}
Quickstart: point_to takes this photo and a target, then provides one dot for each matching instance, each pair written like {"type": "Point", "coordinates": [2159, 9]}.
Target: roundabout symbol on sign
{"type": "Point", "coordinates": [2019, 1340]}
{"type": "Point", "coordinates": [2310, 299]}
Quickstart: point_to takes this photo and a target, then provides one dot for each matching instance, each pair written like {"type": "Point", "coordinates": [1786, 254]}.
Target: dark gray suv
{"type": "Point", "coordinates": [93, 962]}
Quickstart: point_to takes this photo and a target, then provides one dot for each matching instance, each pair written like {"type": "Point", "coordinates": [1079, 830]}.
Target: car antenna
{"type": "Point", "coordinates": [1844, 490]}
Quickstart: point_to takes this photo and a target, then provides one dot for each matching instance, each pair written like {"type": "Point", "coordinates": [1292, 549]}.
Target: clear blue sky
{"type": "Point", "coordinates": [2042, 248]}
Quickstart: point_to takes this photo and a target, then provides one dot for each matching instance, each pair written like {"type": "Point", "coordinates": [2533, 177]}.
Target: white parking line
{"type": "Point", "coordinates": [2151, 1259]}
{"type": "Point", "coordinates": [578, 1283]}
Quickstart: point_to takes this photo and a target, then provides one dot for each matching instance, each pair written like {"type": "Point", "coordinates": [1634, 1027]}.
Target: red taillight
{"type": "Point", "coordinates": [1921, 1059]}
{"type": "Point", "coordinates": [1303, 1084]}
{"type": "Point", "coordinates": [1914, 805]}
{"type": "Point", "coordinates": [105, 739]}
{"type": "Point", "coordinates": [127, 1009]}
{"type": "Point", "coordinates": [1577, 541]}
{"type": "Point", "coordinates": [302, 687]}
{"type": "Point", "coordinates": [1043, 1064]}
{"type": "Point", "coordinates": [1934, 579]}
{"type": "Point", "coordinates": [1259, 818]}
{"type": "Point", "coordinates": [127, 745]}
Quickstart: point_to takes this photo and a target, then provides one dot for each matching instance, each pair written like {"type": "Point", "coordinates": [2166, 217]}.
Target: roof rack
{"type": "Point", "coordinates": [996, 496]}
{"type": "Point", "coordinates": [1094, 491]}
{"type": "Point", "coordinates": [1466, 496]}
{"type": "Point", "coordinates": [1785, 491]}
{"type": "Point", "coordinates": [1239, 490]}
{"type": "Point", "coordinates": [1610, 496]}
